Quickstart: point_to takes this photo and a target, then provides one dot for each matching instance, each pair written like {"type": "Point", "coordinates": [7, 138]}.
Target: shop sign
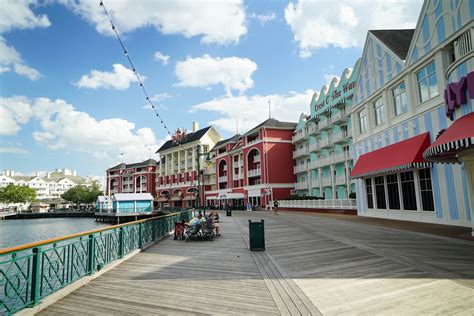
{"type": "Point", "coordinates": [335, 95]}
{"type": "Point", "coordinates": [455, 94]}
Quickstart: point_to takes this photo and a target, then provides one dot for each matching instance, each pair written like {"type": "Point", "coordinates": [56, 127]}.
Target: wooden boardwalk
{"type": "Point", "coordinates": [312, 265]}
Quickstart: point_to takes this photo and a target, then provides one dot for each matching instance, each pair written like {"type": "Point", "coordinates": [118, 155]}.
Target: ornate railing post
{"type": "Point", "coordinates": [140, 235]}
{"type": "Point", "coordinates": [121, 242]}
{"type": "Point", "coordinates": [36, 275]}
{"type": "Point", "coordinates": [153, 230]}
{"type": "Point", "coordinates": [91, 255]}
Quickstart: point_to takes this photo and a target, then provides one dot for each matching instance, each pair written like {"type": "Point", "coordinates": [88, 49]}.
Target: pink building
{"type": "Point", "coordinates": [132, 178]}
{"type": "Point", "coordinates": [256, 167]}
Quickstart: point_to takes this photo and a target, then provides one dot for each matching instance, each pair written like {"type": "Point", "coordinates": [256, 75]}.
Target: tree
{"type": "Point", "coordinates": [81, 194]}
{"type": "Point", "coordinates": [17, 194]}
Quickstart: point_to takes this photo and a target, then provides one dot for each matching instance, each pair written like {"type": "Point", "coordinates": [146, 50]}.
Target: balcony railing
{"type": "Point", "coordinates": [299, 135]}
{"type": "Point", "coordinates": [311, 129]}
{"type": "Point", "coordinates": [326, 142]}
{"type": "Point", "coordinates": [254, 172]}
{"type": "Point", "coordinates": [314, 147]}
{"type": "Point", "coordinates": [313, 164]}
{"type": "Point", "coordinates": [256, 158]}
{"type": "Point", "coordinates": [315, 183]}
{"type": "Point", "coordinates": [340, 180]}
{"type": "Point", "coordinates": [301, 152]}
{"type": "Point", "coordinates": [324, 123]}
{"type": "Point", "coordinates": [236, 177]}
{"type": "Point", "coordinates": [326, 182]}
{"type": "Point", "coordinates": [301, 185]}
{"type": "Point", "coordinates": [320, 204]}
{"type": "Point", "coordinates": [253, 141]}
{"type": "Point", "coordinates": [300, 168]}
{"type": "Point", "coordinates": [339, 116]}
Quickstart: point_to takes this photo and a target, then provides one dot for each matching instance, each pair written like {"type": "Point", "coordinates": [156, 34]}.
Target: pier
{"type": "Point", "coordinates": [313, 264]}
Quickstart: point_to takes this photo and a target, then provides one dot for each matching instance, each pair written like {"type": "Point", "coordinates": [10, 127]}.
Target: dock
{"type": "Point", "coordinates": [312, 265]}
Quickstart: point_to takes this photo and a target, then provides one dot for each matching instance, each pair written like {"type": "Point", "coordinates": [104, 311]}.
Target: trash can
{"type": "Point", "coordinates": [256, 235]}
{"type": "Point", "coordinates": [228, 212]}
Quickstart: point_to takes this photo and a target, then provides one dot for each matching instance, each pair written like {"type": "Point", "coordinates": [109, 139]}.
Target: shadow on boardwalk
{"type": "Point", "coordinates": [313, 264]}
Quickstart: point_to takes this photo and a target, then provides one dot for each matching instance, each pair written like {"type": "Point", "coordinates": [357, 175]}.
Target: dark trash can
{"type": "Point", "coordinates": [228, 212]}
{"type": "Point", "coordinates": [257, 235]}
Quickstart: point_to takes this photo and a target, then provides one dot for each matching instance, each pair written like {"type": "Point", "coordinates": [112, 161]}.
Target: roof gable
{"type": "Point", "coordinates": [272, 123]}
{"type": "Point", "coordinates": [188, 138]}
{"type": "Point", "coordinates": [379, 64]}
{"type": "Point", "coordinates": [437, 21]}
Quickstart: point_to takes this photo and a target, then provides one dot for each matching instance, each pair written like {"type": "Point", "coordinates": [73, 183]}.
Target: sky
{"type": "Point", "coordinates": [69, 98]}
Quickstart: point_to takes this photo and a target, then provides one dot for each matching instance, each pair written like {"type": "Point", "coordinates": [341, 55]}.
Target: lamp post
{"type": "Point", "coordinates": [198, 196]}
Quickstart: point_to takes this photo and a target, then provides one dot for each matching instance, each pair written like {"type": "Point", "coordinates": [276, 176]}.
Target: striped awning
{"type": "Point", "coordinates": [458, 137]}
{"type": "Point", "coordinates": [404, 155]}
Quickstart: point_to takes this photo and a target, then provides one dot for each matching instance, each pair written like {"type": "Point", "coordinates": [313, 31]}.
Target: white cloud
{"type": "Point", "coordinates": [61, 126]}
{"type": "Point", "coordinates": [263, 18]}
{"type": "Point", "coordinates": [160, 96]}
{"type": "Point", "coordinates": [159, 56]}
{"type": "Point", "coordinates": [10, 59]}
{"type": "Point", "coordinates": [233, 73]}
{"type": "Point", "coordinates": [14, 150]}
{"type": "Point", "coordinates": [221, 22]}
{"type": "Point", "coordinates": [320, 24]}
{"type": "Point", "coordinates": [283, 107]}
{"type": "Point", "coordinates": [14, 112]}
{"type": "Point", "coordinates": [18, 15]}
{"type": "Point", "coordinates": [120, 78]}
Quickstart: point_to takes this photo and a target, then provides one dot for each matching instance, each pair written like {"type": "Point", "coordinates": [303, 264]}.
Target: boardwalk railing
{"type": "Point", "coordinates": [30, 272]}
{"type": "Point", "coordinates": [321, 204]}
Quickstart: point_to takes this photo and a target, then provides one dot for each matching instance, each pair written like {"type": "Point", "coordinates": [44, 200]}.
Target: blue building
{"type": "Point", "coordinates": [102, 203]}
{"type": "Point", "coordinates": [132, 203]}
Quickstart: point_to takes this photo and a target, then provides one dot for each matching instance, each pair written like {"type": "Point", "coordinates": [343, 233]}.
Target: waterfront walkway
{"type": "Point", "coordinates": [312, 265]}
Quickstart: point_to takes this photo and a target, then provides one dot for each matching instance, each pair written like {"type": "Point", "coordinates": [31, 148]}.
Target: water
{"type": "Point", "coordinates": [22, 231]}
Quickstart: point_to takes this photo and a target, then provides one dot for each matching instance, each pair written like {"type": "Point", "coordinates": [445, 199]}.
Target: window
{"type": "Point", "coordinates": [393, 194]}
{"type": "Point", "coordinates": [408, 190]}
{"type": "Point", "coordinates": [426, 190]}
{"type": "Point", "coordinates": [379, 112]}
{"type": "Point", "coordinates": [380, 192]}
{"type": "Point", "coordinates": [400, 102]}
{"type": "Point", "coordinates": [362, 121]}
{"type": "Point", "coordinates": [427, 83]}
{"type": "Point", "coordinates": [368, 189]}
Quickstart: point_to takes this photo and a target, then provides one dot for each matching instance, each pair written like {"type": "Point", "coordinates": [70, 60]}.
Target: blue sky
{"type": "Point", "coordinates": [68, 98]}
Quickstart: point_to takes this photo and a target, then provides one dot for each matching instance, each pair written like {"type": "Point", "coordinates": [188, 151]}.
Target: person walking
{"type": "Point", "coordinates": [275, 207]}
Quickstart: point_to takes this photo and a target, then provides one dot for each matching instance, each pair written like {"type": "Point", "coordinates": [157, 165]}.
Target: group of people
{"type": "Point", "coordinates": [211, 220]}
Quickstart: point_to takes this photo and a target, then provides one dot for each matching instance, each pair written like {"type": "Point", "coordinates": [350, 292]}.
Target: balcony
{"type": "Point", "coordinates": [315, 183]}
{"type": "Point", "coordinates": [300, 168]}
{"type": "Point", "coordinates": [253, 141]}
{"type": "Point", "coordinates": [314, 147]}
{"type": "Point", "coordinates": [327, 142]}
{"type": "Point", "coordinates": [256, 158]}
{"type": "Point", "coordinates": [299, 136]}
{"type": "Point", "coordinates": [326, 182]}
{"type": "Point", "coordinates": [236, 177]}
{"type": "Point", "coordinates": [324, 124]}
{"type": "Point", "coordinates": [340, 180]}
{"type": "Point", "coordinates": [223, 179]}
{"type": "Point", "coordinates": [311, 129]}
{"type": "Point", "coordinates": [324, 161]}
{"type": "Point", "coordinates": [301, 152]}
{"type": "Point", "coordinates": [339, 117]}
{"type": "Point", "coordinates": [301, 185]}
{"type": "Point", "coordinates": [254, 172]}
{"type": "Point", "coordinates": [313, 165]}
{"type": "Point", "coordinates": [221, 154]}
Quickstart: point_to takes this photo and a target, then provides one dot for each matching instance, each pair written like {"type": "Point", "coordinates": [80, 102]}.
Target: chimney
{"type": "Point", "coordinates": [195, 126]}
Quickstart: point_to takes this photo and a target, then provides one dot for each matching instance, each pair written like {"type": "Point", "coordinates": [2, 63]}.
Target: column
{"type": "Point", "coordinates": [194, 158]}
{"type": "Point", "coordinates": [186, 160]}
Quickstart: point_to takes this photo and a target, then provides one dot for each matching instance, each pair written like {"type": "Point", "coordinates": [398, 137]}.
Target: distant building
{"type": "Point", "coordinates": [131, 178]}
{"type": "Point", "coordinates": [256, 167]}
{"type": "Point", "coordinates": [177, 172]}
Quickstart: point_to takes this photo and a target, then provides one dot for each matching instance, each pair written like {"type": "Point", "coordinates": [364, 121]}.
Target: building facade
{"type": "Point", "coordinates": [132, 178]}
{"type": "Point", "coordinates": [256, 167]}
{"type": "Point", "coordinates": [400, 109]}
{"type": "Point", "coordinates": [177, 177]}
{"type": "Point", "coordinates": [323, 141]}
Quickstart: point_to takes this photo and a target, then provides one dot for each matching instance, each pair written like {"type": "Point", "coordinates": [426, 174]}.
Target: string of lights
{"type": "Point", "coordinates": [140, 81]}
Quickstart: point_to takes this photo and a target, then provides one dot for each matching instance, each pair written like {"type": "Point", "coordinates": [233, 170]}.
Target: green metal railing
{"type": "Point", "coordinates": [30, 272]}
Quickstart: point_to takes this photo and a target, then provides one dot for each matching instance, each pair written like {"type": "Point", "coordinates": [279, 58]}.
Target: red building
{"type": "Point", "coordinates": [256, 167]}
{"type": "Point", "coordinates": [132, 178]}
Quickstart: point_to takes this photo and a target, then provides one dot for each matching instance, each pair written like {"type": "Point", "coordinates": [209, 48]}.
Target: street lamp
{"type": "Point", "coordinates": [198, 196]}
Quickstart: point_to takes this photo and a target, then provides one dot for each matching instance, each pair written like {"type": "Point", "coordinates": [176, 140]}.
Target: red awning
{"type": "Point", "coordinates": [459, 136]}
{"type": "Point", "coordinates": [403, 155]}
